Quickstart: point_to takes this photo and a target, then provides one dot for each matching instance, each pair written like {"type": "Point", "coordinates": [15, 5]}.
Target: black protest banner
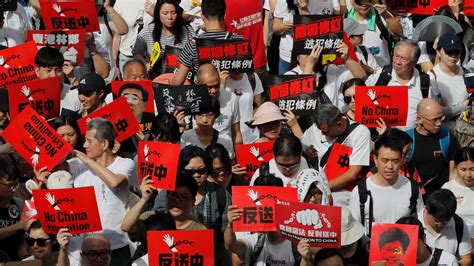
{"type": "Point", "coordinates": [171, 62]}
{"type": "Point", "coordinates": [297, 93]}
{"type": "Point", "coordinates": [193, 99]}
{"type": "Point", "coordinates": [233, 55]}
{"type": "Point", "coordinates": [321, 30]}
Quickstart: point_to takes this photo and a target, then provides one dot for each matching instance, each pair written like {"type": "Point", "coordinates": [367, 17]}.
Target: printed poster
{"type": "Point", "coordinates": [70, 14]}
{"type": "Point", "coordinates": [70, 43]}
{"type": "Point", "coordinates": [226, 54]}
{"type": "Point", "coordinates": [17, 64]}
{"type": "Point", "coordinates": [251, 156]}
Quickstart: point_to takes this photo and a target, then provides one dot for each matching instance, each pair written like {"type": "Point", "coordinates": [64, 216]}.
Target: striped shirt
{"type": "Point", "coordinates": [188, 55]}
{"type": "Point", "coordinates": [144, 43]}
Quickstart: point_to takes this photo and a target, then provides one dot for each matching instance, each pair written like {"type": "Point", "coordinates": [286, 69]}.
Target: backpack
{"type": "Point", "coordinates": [384, 33]}
{"type": "Point", "coordinates": [386, 76]}
{"type": "Point", "coordinates": [257, 249]}
{"type": "Point", "coordinates": [365, 53]}
{"type": "Point", "coordinates": [436, 256]}
{"type": "Point", "coordinates": [444, 140]}
{"type": "Point", "coordinates": [364, 194]}
{"type": "Point", "coordinates": [340, 140]}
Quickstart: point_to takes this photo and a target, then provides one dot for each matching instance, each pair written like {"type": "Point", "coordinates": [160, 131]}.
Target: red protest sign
{"type": "Point", "coordinates": [160, 161]}
{"type": "Point", "coordinates": [70, 14]}
{"type": "Point", "coordinates": [72, 208]}
{"type": "Point", "coordinates": [393, 244]}
{"type": "Point", "coordinates": [419, 7]}
{"type": "Point", "coordinates": [338, 60]}
{"type": "Point", "coordinates": [319, 224]}
{"type": "Point", "coordinates": [35, 140]}
{"type": "Point", "coordinates": [258, 204]}
{"type": "Point", "coordinates": [389, 103]}
{"type": "Point", "coordinates": [251, 156]}
{"type": "Point", "coordinates": [189, 247]}
{"type": "Point", "coordinates": [43, 95]}
{"type": "Point", "coordinates": [29, 211]}
{"type": "Point", "coordinates": [70, 43]}
{"type": "Point", "coordinates": [338, 161]}
{"type": "Point", "coordinates": [119, 114]}
{"type": "Point", "coordinates": [17, 64]}
{"type": "Point", "coordinates": [144, 85]}
{"type": "Point", "coordinates": [469, 9]}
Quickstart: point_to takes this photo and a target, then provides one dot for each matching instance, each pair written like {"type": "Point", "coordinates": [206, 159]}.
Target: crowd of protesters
{"type": "Point", "coordinates": [429, 185]}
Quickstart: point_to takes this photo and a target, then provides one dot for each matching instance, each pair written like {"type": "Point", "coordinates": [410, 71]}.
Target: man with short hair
{"type": "Point", "coordinates": [433, 147]}
{"type": "Point", "coordinates": [137, 98]}
{"type": "Point", "coordinates": [443, 228]}
{"type": "Point", "coordinates": [108, 174]}
{"type": "Point", "coordinates": [332, 126]}
{"type": "Point", "coordinates": [91, 91]}
{"type": "Point", "coordinates": [134, 70]}
{"type": "Point", "coordinates": [402, 72]}
{"type": "Point", "coordinates": [95, 250]}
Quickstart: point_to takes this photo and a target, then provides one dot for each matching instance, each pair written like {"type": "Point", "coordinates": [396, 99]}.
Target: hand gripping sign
{"type": "Point", "coordinates": [35, 140]}
{"type": "Point", "coordinates": [193, 247]}
{"type": "Point", "coordinates": [70, 14]}
{"type": "Point", "coordinates": [73, 208]}
{"type": "Point", "coordinates": [389, 103]}
{"type": "Point", "coordinates": [160, 161]}
{"type": "Point", "coordinates": [258, 204]}
{"type": "Point", "coordinates": [393, 244]}
{"type": "Point", "coordinates": [70, 43]}
{"type": "Point", "coordinates": [318, 224]}
{"type": "Point", "coordinates": [251, 156]}
{"type": "Point", "coordinates": [119, 114]}
{"type": "Point", "coordinates": [17, 64]}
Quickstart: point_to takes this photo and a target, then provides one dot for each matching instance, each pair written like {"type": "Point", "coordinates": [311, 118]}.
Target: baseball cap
{"type": "Point", "coordinates": [450, 42]}
{"type": "Point", "coordinates": [91, 82]}
{"type": "Point", "coordinates": [351, 229]}
{"type": "Point", "coordinates": [352, 27]}
{"type": "Point", "coordinates": [267, 112]}
{"type": "Point", "coordinates": [60, 179]}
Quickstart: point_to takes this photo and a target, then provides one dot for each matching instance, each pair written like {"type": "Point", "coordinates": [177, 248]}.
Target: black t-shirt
{"type": "Point", "coordinates": [428, 159]}
{"type": "Point", "coordinates": [236, 180]}
{"type": "Point", "coordinates": [10, 216]}
{"type": "Point", "coordinates": [360, 257]}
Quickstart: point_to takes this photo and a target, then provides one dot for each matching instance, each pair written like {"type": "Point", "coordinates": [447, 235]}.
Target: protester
{"type": "Point", "coordinates": [166, 129]}
{"type": "Point", "coordinates": [96, 250]}
{"type": "Point", "coordinates": [91, 90]}
{"type": "Point", "coordinates": [268, 119]}
{"type": "Point", "coordinates": [134, 70]}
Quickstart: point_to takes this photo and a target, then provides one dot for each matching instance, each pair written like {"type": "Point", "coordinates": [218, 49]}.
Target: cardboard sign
{"type": "Point", "coordinates": [338, 161]}
{"type": "Point", "coordinates": [393, 244]}
{"type": "Point", "coordinates": [319, 30]}
{"type": "Point", "coordinates": [17, 64]}
{"type": "Point", "coordinates": [119, 114]}
{"type": "Point", "coordinates": [72, 208]}
{"type": "Point", "coordinates": [29, 211]}
{"type": "Point", "coordinates": [70, 43]}
{"type": "Point", "coordinates": [258, 203]}
{"type": "Point", "coordinates": [35, 140]}
{"type": "Point", "coordinates": [43, 95]}
{"type": "Point", "coordinates": [145, 84]}
{"type": "Point", "coordinates": [70, 14]}
{"type": "Point", "coordinates": [8, 5]}
{"type": "Point", "coordinates": [233, 55]}
{"type": "Point", "coordinates": [419, 7]}
{"type": "Point", "coordinates": [192, 99]}
{"type": "Point", "coordinates": [181, 247]}
{"type": "Point", "coordinates": [318, 224]}
{"type": "Point", "coordinates": [251, 156]}
{"type": "Point", "coordinates": [171, 62]}
{"type": "Point", "coordinates": [387, 102]}
{"type": "Point", "coordinates": [294, 92]}
{"type": "Point", "coordinates": [160, 161]}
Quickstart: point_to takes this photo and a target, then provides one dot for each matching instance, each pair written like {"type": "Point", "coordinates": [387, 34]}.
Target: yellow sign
{"type": "Point", "coordinates": [155, 53]}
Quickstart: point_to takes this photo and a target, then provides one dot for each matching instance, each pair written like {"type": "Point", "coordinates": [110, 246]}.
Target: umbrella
{"type": "Point", "coordinates": [432, 27]}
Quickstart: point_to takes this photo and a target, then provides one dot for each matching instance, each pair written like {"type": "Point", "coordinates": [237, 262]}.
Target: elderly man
{"type": "Point", "coordinates": [134, 70]}
{"type": "Point", "coordinates": [108, 174]}
{"type": "Point", "coordinates": [96, 250]}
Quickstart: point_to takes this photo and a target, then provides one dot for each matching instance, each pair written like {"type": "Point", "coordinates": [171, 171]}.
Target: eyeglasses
{"type": "Point", "coordinates": [435, 120]}
{"type": "Point", "coordinates": [11, 186]}
{"type": "Point", "coordinates": [288, 166]}
{"type": "Point", "coordinates": [94, 255]}
{"type": "Point", "coordinates": [348, 99]}
{"type": "Point", "coordinates": [175, 196]}
{"type": "Point", "coordinates": [131, 99]}
{"type": "Point", "coordinates": [217, 171]}
{"type": "Point", "coordinates": [192, 172]}
{"type": "Point", "coordinates": [40, 241]}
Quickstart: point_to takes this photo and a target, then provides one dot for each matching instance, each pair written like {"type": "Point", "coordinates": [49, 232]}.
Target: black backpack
{"type": "Point", "coordinates": [386, 76]}
{"type": "Point", "coordinates": [257, 249]}
{"type": "Point", "coordinates": [364, 194]}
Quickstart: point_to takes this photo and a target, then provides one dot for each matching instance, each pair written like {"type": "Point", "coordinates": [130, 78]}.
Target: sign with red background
{"type": "Point", "coordinates": [35, 140]}
{"type": "Point", "coordinates": [189, 247]}
{"type": "Point", "coordinates": [338, 161]}
{"type": "Point", "coordinates": [29, 211]}
{"type": "Point", "coordinates": [73, 208]}
{"type": "Point", "coordinates": [145, 84]}
{"type": "Point", "coordinates": [70, 14]}
{"type": "Point", "coordinates": [389, 103]}
{"type": "Point", "coordinates": [43, 95]}
{"type": "Point", "coordinates": [319, 224]}
{"type": "Point", "coordinates": [419, 7]}
{"type": "Point", "coordinates": [394, 237]}
{"type": "Point", "coordinates": [160, 161]}
{"type": "Point", "coordinates": [251, 156]}
{"type": "Point", "coordinates": [70, 43]}
{"type": "Point", "coordinates": [17, 64]}
{"type": "Point", "coordinates": [258, 204]}
{"type": "Point", "coordinates": [119, 114]}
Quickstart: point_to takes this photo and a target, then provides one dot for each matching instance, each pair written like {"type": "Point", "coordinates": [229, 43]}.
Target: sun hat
{"type": "Point", "coordinates": [351, 229]}
{"type": "Point", "coordinates": [267, 112]}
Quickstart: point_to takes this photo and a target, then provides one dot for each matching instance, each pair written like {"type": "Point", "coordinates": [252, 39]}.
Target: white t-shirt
{"type": "Point", "coordinates": [446, 259]}
{"type": "Point", "coordinates": [273, 169]}
{"type": "Point", "coordinates": [279, 254]}
{"type": "Point", "coordinates": [110, 201]}
{"type": "Point", "coordinates": [465, 198]}
{"type": "Point", "coordinates": [246, 99]}
{"type": "Point", "coordinates": [396, 196]}
{"type": "Point", "coordinates": [15, 25]}
{"type": "Point", "coordinates": [375, 45]}
{"type": "Point", "coordinates": [451, 92]}
{"type": "Point", "coordinates": [193, 7]}
{"type": "Point", "coordinates": [322, 7]}
{"type": "Point", "coordinates": [286, 42]}
{"type": "Point", "coordinates": [189, 137]}
{"type": "Point", "coordinates": [230, 113]}
{"type": "Point", "coordinates": [70, 99]}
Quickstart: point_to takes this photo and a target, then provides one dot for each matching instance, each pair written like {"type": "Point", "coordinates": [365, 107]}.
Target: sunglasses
{"type": "Point", "coordinates": [192, 172]}
{"type": "Point", "coordinates": [40, 241]}
{"type": "Point", "coordinates": [348, 99]}
{"type": "Point", "coordinates": [93, 256]}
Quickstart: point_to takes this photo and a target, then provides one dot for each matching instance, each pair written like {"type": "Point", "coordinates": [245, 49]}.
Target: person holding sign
{"type": "Point", "coordinates": [91, 90]}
